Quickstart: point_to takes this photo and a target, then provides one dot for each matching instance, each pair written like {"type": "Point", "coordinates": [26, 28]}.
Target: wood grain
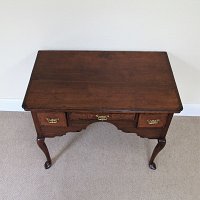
{"type": "Point", "coordinates": [144, 120]}
{"type": "Point", "coordinates": [87, 80]}
{"type": "Point", "coordinates": [131, 90]}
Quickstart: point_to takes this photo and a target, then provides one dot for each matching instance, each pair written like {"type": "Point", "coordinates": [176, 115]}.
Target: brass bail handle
{"type": "Point", "coordinates": [52, 120]}
{"type": "Point", "coordinates": [153, 121]}
{"type": "Point", "coordinates": [102, 117]}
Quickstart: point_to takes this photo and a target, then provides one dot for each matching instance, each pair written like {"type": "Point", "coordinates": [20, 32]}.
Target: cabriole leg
{"type": "Point", "coordinates": [43, 147]}
{"type": "Point", "coordinates": [158, 148]}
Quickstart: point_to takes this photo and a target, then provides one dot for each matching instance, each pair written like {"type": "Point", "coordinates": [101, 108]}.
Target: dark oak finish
{"type": "Point", "coordinates": [68, 90]}
{"type": "Point", "coordinates": [149, 120]}
{"type": "Point", "coordinates": [158, 148]}
{"type": "Point", "coordinates": [43, 147]}
{"type": "Point", "coordinates": [97, 115]}
{"type": "Point", "coordinates": [52, 119]}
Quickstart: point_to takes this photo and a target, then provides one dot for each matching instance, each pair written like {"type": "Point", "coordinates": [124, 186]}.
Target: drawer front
{"type": "Point", "coordinates": [102, 116]}
{"type": "Point", "coordinates": [52, 119]}
{"type": "Point", "coordinates": [147, 120]}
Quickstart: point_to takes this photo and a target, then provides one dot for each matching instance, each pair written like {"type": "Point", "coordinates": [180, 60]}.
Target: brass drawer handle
{"type": "Point", "coordinates": [102, 117]}
{"type": "Point", "coordinates": [153, 121]}
{"type": "Point", "coordinates": [52, 120]}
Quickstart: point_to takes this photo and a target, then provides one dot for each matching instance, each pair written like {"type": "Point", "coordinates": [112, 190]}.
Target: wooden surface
{"type": "Point", "coordinates": [44, 117]}
{"type": "Point", "coordinates": [95, 116]}
{"type": "Point", "coordinates": [135, 91]}
{"type": "Point", "coordinates": [90, 80]}
{"type": "Point", "coordinates": [144, 118]}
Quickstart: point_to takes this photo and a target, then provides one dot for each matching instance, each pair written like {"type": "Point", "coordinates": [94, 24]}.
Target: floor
{"type": "Point", "coordinates": [99, 163]}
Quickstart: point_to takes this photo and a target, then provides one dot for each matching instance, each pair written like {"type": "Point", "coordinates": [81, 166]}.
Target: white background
{"type": "Point", "coordinates": [27, 26]}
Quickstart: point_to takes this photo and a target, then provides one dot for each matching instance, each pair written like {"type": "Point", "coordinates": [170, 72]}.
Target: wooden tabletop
{"type": "Point", "coordinates": [102, 80]}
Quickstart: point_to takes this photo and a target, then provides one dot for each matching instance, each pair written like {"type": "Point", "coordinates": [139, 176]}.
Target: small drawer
{"type": "Point", "coordinates": [157, 120]}
{"type": "Point", "coordinates": [52, 119]}
{"type": "Point", "coordinates": [102, 116]}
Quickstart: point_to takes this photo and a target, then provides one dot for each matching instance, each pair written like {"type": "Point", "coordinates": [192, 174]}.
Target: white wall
{"type": "Point", "coordinates": [27, 26]}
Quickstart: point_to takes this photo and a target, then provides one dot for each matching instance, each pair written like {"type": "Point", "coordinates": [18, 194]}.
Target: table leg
{"type": "Point", "coordinates": [43, 147]}
{"type": "Point", "coordinates": [158, 148]}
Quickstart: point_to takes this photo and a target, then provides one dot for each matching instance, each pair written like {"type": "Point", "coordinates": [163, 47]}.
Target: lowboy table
{"type": "Point", "coordinates": [135, 91]}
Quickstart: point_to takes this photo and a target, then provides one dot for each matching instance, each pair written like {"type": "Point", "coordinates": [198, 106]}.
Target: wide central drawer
{"type": "Point", "coordinates": [101, 116]}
